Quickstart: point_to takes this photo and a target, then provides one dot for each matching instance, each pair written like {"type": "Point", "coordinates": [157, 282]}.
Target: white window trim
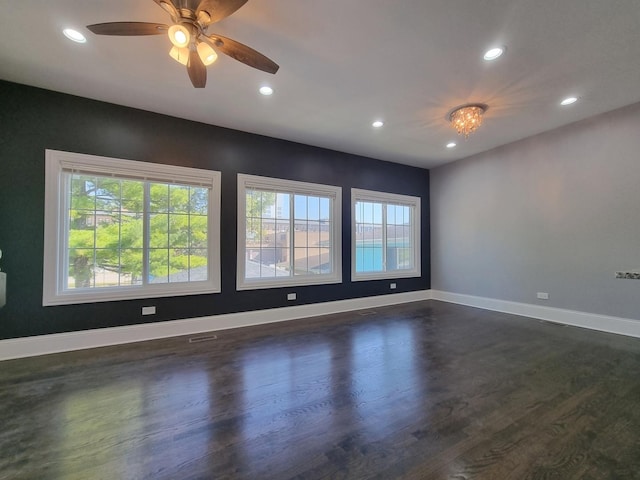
{"type": "Point", "coordinates": [267, 183]}
{"type": "Point", "coordinates": [373, 196]}
{"type": "Point", "coordinates": [53, 292]}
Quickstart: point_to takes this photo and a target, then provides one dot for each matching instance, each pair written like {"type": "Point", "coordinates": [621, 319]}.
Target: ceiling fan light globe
{"type": "Point", "coordinates": [180, 55]}
{"type": "Point", "coordinates": [207, 54]}
{"type": "Point", "coordinates": [179, 35]}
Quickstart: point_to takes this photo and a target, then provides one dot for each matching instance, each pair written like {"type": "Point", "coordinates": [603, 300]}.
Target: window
{"type": "Point", "coordinates": [118, 229]}
{"type": "Point", "coordinates": [385, 235]}
{"type": "Point", "coordinates": [288, 233]}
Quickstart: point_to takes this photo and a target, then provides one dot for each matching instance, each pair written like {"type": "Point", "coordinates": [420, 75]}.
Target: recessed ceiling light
{"type": "Point", "coordinates": [569, 101]}
{"type": "Point", "coordinates": [451, 144]}
{"type": "Point", "coordinates": [74, 35]}
{"type": "Point", "coordinates": [377, 124]}
{"type": "Point", "coordinates": [266, 91]}
{"type": "Point", "coordinates": [494, 53]}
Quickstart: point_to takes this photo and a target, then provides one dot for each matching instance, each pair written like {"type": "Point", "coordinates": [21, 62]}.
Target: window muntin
{"type": "Point", "coordinates": [385, 235]}
{"type": "Point", "coordinates": [288, 233]}
{"type": "Point", "coordinates": [113, 233]}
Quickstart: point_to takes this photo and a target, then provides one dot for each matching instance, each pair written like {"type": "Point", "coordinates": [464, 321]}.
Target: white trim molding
{"type": "Point", "coordinates": [593, 321]}
{"type": "Point", "coordinates": [102, 337]}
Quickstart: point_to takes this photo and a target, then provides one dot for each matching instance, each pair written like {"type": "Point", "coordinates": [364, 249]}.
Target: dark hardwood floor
{"type": "Point", "coordinates": [426, 390]}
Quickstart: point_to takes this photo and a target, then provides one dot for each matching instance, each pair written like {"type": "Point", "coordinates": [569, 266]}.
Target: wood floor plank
{"type": "Point", "coordinates": [427, 390]}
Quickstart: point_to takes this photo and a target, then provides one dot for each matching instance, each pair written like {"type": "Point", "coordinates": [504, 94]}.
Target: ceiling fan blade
{"type": "Point", "coordinates": [242, 53]}
{"type": "Point", "coordinates": [219, 9]}
{"type": "Point", "coordinates": [197, 70]}
{"type": "Point", "coordinates": [128, 28]}
{"type": "Point", "coordinates": [169, 7]}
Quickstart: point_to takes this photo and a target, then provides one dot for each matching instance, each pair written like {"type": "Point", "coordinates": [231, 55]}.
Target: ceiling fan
{"type": "Point", "coordinates": [192, 46]}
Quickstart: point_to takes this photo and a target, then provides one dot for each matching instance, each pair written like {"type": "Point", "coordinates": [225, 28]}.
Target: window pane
{"type": "Point", "coordinates": [159, 231]}
{"type": "Point", "coordinates": [159, 266]}
{"type": "Point", "coordinates": [314, 260]}
{"type": "Point", "coordinates": [313, 208]}
{"type": "Point", "coordinates": [178, 199]}
{"type": "Point", "coordinates": [283, 201]}
{"type": "Point", "coordinates": [131, 228]}
{"type": "Point", "coordinates": [81, 229]}
{"type": "Point", "coordinates": [267, 259]}
{"type": "Point", "coordinates": [132, 196]}
{"type": "Point", "coordinates": [198, 265]}
{"type": "Point", "coordinates": [82, 192]}
{"type": "Point", "coordinates": [107, 231]}
{"type": "Point", "coordinates": [267, 204]}
{"type": "Point", "coordinates": [159, 197]}
{"type": "Point", "coordinates": [198, 229]}
{"type": "Point", "coordinates": [253, 202]}
{"type": "Point", "coordinates": [178, 265]}
{"type": "Point", "coordinates": [391, 214]}
{"type": "Point", "coordinates": [108, 194]}
{"type": "Point", "coordinates": [300, 207]}
{"type": "Point", "coordinates": [324, 266]}
{"type": "Point", "coordinates": [131, 261]}
{"type": "Point", "coordinates": [301, 262]}
{"type": "Point", "coordinates": [267, 237]}
{"type": "Point", "coordinates": [406, 215]}
{"type": "Point", "coordinates": [377, 213]}
{"type": "Point", "coordinates": [252, 264]}
{"type": "Point", "coordinates": [367, 212]}
{"type": "Point", "coordinates": [179, 231]}
{"type": "Point", "coordinates": [325, 205]}
{"type": "Point", "coordinates": [80, 268]}
{"type": "Point", "coordinates": [199, 200]}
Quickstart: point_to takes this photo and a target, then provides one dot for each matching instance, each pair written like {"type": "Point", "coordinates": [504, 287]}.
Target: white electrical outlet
{"type": "Point", "coordinates": [291, 296]}
{"type": "Point", "coordinates": [149, 310]}
{"type": "Point", "coordinates": [543, 295]}
{"type": "Point", "coordinates": [392, 286]}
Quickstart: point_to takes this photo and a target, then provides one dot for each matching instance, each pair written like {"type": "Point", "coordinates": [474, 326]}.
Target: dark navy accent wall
{"type": "Point", "coordinates": [33, 120]}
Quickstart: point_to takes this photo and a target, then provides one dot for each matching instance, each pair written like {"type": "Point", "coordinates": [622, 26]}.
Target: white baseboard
{"type": "Point", "coordinates": [64, 342]}
{"type": "Point", "coordinates": [101, 337]}
{"type": "Point", "coordinates": [593, 321]}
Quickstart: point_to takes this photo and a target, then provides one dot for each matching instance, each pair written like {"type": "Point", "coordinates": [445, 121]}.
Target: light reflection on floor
{"type": "Point", "coordinates": [135, 412]}
{"type": "Point", "coordinates": [294, 388]}
{"type": "Point", "coordinates": [383, 359]}
{"type": "Point", "coordinates": [284, 390]}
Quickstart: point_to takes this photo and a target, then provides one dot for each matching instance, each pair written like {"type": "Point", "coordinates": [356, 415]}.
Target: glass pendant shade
{"type": "Point", "coordinates": [206, 53]}
{"type": "Point", "coordinates": [180, 55]}
{"type": "Point", "coordinates": [179, 35]}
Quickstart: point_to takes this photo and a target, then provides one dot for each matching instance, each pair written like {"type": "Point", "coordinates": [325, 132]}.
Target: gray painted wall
{"type": "Point", "coordinates": [556, 213]}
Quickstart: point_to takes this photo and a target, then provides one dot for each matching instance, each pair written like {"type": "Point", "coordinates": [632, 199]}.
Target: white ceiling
{"type": "Point", "coordinates": [344, 64]}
